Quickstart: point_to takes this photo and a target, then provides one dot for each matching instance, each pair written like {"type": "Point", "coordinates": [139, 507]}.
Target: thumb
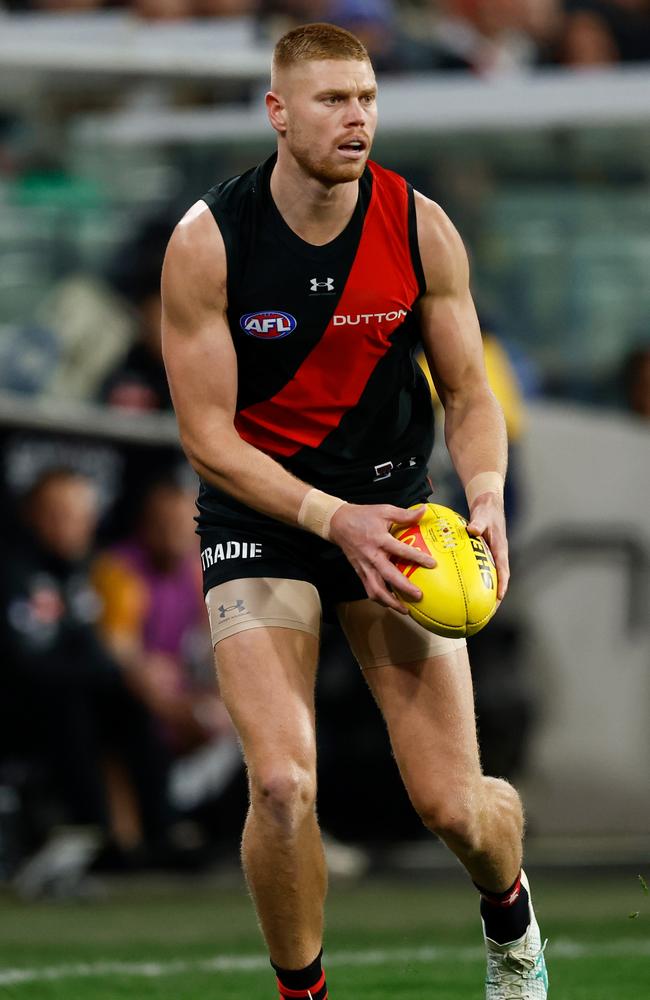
{"type": "Point", "coordinates": [477, 525]}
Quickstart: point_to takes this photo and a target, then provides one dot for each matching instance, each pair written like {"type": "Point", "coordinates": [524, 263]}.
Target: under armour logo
{"type": "Point", "coordinates": [327, 285]}
{"type": "Point", "coordinates": [228, 609]}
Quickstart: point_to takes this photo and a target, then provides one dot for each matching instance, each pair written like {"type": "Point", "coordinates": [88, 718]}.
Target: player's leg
{"type": "Point", "coordinates": [422, 684]}
{"type": "Point", "coordinates": [429, 710]}
{"type": "Point", "coordinates": [266, 670]}
{"type": "Point", "coordinates": [428, 705]}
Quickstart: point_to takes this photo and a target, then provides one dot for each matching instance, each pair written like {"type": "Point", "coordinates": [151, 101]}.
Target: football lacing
{"type": "Point", "coordinates": [446, 534]}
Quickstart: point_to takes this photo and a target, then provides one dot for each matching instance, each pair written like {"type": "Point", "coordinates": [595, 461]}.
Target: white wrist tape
{"type": "Point", "coordinates": [484, 482]}
{"type": "Point", "coordinates": [317, 510]}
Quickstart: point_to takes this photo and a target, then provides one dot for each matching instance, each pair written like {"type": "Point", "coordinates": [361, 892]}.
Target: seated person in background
{"type": "Point", "coordinates": [604, 32]}
{"type": "Point", "coordinates": [63, 697]}
{"type": "Point", "coordinates": [138, 381]}
{"type": "Point", "coordinates": [154, 619]}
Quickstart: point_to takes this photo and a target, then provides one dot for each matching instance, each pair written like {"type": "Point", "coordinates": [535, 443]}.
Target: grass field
{"type": "Point", "coordinates": [197, 940]}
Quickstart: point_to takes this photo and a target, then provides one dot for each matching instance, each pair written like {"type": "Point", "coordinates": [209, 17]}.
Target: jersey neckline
{"type": "Point", "coordinates": [326, 250]}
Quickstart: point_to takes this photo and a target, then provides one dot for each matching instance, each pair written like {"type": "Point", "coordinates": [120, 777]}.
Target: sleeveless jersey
{"type": "Point", "coordinates": [325, 335]}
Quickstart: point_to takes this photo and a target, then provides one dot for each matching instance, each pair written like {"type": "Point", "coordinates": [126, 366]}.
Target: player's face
{"type": "Point", "coordinates": [329, 116]}
{"type": "Point", "coordinates": [64, 516]}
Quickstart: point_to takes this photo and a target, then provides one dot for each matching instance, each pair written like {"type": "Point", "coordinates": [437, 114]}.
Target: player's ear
{"type": "Point", "coordinates": [276, 110]}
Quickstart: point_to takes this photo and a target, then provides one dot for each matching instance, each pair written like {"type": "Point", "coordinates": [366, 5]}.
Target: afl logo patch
{"type": "Point", "coordinates": [268, 325]}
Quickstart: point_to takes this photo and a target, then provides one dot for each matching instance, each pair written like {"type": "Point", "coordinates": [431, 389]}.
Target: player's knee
{"type": "Point", "coordinates": [452, 816]}
{"type": "Point", "coordinates": [284, 794]}
{"type": "Point", "coordinates": [505, 799]}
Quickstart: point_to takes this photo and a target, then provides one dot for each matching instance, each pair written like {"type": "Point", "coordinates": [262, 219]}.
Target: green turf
{"type": "Point", "coordinates": [195, 922]}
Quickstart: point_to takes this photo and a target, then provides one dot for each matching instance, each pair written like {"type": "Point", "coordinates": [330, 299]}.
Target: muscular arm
{"type": "Point", "coordinates": [202, 370]}
{"type": "Point", "coordinates": [475, 430]}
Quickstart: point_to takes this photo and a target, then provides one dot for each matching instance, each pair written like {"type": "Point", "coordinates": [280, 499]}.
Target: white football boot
{"type": "Point", "coordinates": [517, 970]}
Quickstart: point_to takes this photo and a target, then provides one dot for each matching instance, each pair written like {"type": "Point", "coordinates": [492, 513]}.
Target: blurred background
{"type": "Point", "coordinates": [529, 121]}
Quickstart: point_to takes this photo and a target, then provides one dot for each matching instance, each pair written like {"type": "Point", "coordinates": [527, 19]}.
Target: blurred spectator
{"type": "Point", "coordinates": [494, 36]}
{"type": "Point", "coordinates": [153, 10]}
{"type": "Point", "coordinates": [53, 6]}
{"type": "Point", "coordinates": [139, 382]}
{"type": "Point", "coordinates": [166, 10]}
{"type": "Point", "coordinates": [154, 619]}
{"type": "Point", "coordinates": [123, 366]}
{"type": "Point", "coordinates": [377, 23]}
{"type": "Point", "coordinates": [62, 356]}
{"type": "Point", "coordinates": [483, 36]}
{"type": "Point", "coordinates": [65, 359]}
{"type": "Point", "coordinates": [64, 700]}
{"type": "Point", "coordinates": [286, 13]}
{"type": "Point", "coordinates": [155, 622]}
{"type": "Point", "coordinates": [601, 32]}
{"type": "Point", "coordinates": [636, 381]}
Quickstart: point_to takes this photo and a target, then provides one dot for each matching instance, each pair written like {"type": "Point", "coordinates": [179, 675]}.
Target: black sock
{"type": "Point", "coordinates": [300, 983]}
{"type": "Point", "coordinates": [505, 914]}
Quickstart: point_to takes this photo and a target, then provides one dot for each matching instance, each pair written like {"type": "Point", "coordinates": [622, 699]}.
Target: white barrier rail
{"type": "Point", "coordinates": [413, 106]}
{"type": "Point", "coordinates": [40, 46]}
{"type": "Point", "coordinates": [88, 420]}
{"type": "Point", "coordinates": [117, 42]}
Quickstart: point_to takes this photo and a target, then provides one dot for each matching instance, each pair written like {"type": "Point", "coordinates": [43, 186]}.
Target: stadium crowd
{"type": "Point", "coordinates": [106, 681]}
{"type": "Point", "coordinates": [483, 36]}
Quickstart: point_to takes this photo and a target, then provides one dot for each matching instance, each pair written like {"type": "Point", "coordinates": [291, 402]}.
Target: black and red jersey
{"type": "Point", "coordinates": [325, 335]}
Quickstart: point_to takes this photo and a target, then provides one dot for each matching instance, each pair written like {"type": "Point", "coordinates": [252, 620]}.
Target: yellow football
{"type": "Point", "coordinates": [459, 595]}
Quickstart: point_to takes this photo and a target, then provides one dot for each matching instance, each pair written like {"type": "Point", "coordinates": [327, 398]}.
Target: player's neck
{"type": "Point", "coordinates": [314, 211]}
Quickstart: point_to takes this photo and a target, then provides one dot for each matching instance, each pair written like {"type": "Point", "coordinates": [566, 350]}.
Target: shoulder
{"type": "Point", "coordinates": [196, 238]}
{"type": "Point", "coordinates": [195, 259]}
{"type": "Point", "coordinates": [444, 257]}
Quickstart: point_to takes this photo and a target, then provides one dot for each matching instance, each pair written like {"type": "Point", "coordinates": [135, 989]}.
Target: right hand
{"type": "Point", "coordinates": [363, 532]}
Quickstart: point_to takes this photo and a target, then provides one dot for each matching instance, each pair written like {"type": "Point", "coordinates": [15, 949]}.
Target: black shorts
{"type": "Point", "coordinates": [239, 543]}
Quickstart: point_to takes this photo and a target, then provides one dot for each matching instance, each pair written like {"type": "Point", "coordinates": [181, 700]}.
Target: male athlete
{"type": "Point", "coordinates": [294, 297]}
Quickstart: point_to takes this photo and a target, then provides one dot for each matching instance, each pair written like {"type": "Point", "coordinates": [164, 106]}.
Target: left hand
{"type": "Point", "coordinates": [487, 519]}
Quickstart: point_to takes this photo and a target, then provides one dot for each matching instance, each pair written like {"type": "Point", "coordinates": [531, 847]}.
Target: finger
{"type": "Point", "coordinates": [499, 552]}
{"type": "Point", "coordinates": [477, 526]}
{"type": "Point", "coordinates": [377, 590]}
{"type": "Point", "coordinates": [408, 590]}
{"type": "Point", "coordinates": [503, 577]}
{"type": "Point", "coordinates": [402, 515]}
{"type": "Point", "coordinates": [408, 553]}
{"type": "Point", "coordinates": [392, 576]}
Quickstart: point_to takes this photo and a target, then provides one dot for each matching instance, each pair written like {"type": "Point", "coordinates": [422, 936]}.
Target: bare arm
{"type": "Point", "coordinates": [202, 369]}
{"type": "Point", "coordinates": [474, 425]}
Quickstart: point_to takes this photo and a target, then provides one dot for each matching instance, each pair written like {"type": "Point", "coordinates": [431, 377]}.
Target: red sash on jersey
{"type": "Point", "coordinates": [331, 380]}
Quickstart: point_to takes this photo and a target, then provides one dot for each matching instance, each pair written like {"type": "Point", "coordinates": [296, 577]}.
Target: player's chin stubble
{"type": "Point", "coordinates": [327, 170]}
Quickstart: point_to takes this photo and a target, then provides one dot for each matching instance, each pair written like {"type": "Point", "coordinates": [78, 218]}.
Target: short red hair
{"type": "Point", "coordinates": [317, 41]}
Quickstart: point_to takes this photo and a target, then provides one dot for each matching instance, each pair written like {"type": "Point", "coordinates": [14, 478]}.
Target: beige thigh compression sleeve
{"type": "Point", "coordinates": [262, 602]}
{"type": "Point", "coordinates": [379, 636]}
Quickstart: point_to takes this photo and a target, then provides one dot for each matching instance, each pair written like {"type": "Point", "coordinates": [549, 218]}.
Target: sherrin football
{"type": "Point", "coordinates": [459, 595]}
